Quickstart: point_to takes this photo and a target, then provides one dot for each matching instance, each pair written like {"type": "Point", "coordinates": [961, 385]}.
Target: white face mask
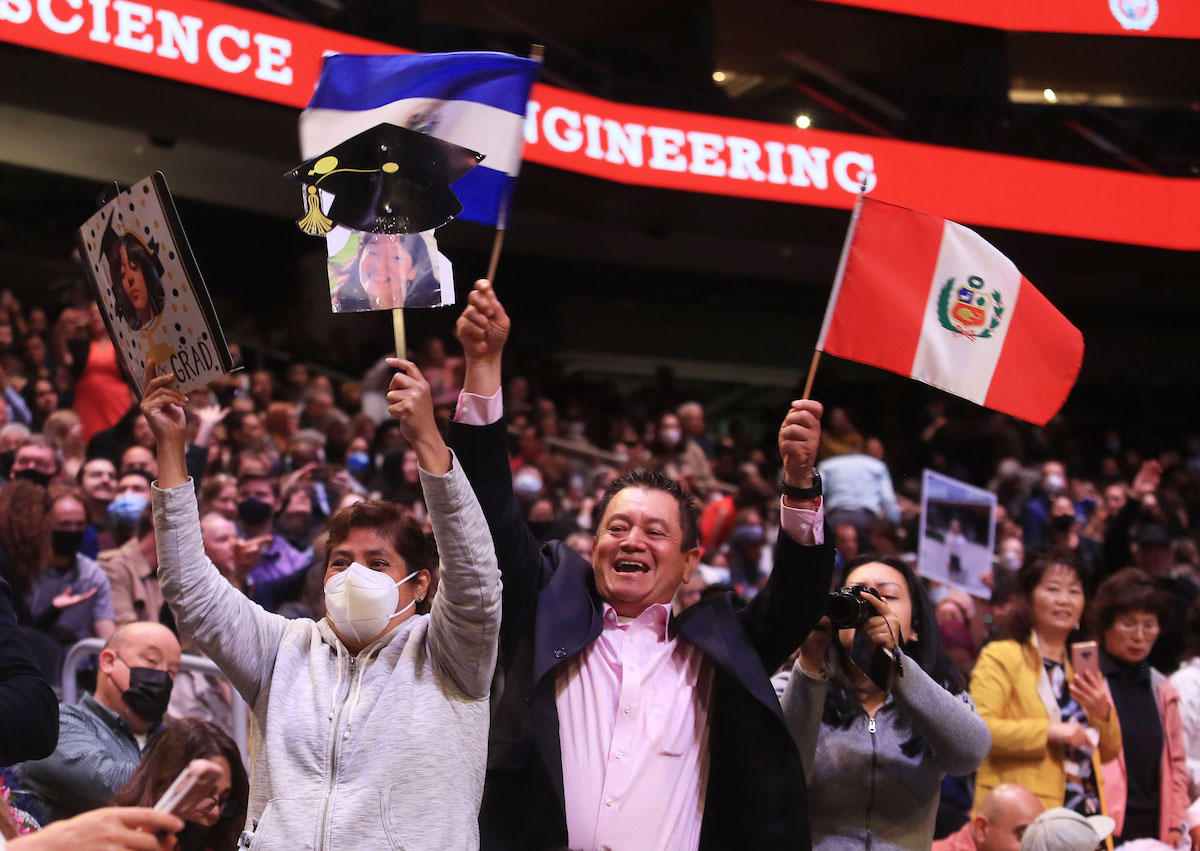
{"type": "Point", "coordinates": [360, 602]}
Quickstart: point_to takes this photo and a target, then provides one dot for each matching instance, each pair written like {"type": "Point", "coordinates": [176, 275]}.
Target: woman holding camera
{"type": "Point", "coordinates": [875, 758]}
{"type": "Point", "coordinates": [1051, 729]}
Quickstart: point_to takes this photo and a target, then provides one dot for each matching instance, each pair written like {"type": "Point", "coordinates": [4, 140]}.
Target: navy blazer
{"type": "Point", "coordinates": [28, 707]}
{"type": "Point", "coordinates": [756, 796]}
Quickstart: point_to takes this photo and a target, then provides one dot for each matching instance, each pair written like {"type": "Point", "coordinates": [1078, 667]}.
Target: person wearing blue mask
{"type": "Point", "coordinates": [125, 510]}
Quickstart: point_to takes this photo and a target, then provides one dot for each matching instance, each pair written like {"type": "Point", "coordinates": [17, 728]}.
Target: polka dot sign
{"type": "Point", "coordinates": [149, 288]}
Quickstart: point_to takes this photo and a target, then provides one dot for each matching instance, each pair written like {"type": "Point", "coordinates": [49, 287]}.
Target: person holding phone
{"type": "Point", "coordinates": [214, 820]}
{"type": "Point", "coordinates": [1051, 726]}
{"type": "Point", "coordinates": [875, 760]}
{"type": "Point", "coordinates": [1147, 783]}
{"type": "Point", "coordinates": [370, 725]}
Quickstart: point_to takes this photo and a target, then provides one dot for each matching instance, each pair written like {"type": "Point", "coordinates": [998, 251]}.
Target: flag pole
{"type": "Point", "coordinates": [837, 286]}
{"type": "Point", "coordinates": [398, 330]}
{"type": "Point", "coordinates": [537, 53]}
{"type": "Point", "coordinates": [498, 240]}
{"type": "Point", "coordinates": [812, 373]}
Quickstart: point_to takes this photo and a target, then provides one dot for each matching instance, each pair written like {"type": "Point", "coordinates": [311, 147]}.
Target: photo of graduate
{"type": "Point", "coordinates": [381, 271]}
{"type": "Point", "coordinates": [136, 275]}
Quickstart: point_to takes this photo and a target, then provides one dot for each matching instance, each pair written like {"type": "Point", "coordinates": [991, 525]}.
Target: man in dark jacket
{"type": "Point", "coordinates": [615, 724]}
{"type": "Point", "coordinates": [28, 707]}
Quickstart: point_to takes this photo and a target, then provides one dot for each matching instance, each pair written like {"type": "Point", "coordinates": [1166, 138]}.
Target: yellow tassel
{"type": "Point", "coordinates": [315, 222]}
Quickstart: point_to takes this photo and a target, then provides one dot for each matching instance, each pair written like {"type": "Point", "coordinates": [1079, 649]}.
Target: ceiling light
{"type": "Point", "coordinates": [1050, 96]}
{"type": "Point", "coordinates": [718, 76]}
{"type": "Point", "coordinates": [803, 122]}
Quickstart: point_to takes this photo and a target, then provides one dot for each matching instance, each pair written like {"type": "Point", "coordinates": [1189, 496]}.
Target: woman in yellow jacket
{"type": "Point", "coordinates": [1050, 729]}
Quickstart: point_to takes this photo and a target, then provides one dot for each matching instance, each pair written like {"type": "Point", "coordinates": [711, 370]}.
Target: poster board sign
{"type": "Point", "coordinates": [384, 271]}
{"type": "Point", "coordinates": [150, 292]}
{"type": "Point", "coordinates": [958, 533]}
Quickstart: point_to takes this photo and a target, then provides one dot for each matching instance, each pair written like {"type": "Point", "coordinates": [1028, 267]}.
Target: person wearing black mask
{"type": "Point", "coordinates": [101, 738]}
{"type": "Point", "coordinates": [70, 598]}
{"type": "Point", "coordinates": [1064, 532]}
{"type": "Point", "coordinates": [258, 500]}
{"type": "Point", "coordinates": [37, 460]}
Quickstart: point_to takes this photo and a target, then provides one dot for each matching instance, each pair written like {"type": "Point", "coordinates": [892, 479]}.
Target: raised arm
{"type": "Point", "coordinates": [802, 692]}
{"type": "Point", "coordinates": [465, 619]}
{"type": "Point", "coordinates": [239, 635]}
{"type": "Point", "coordinates": [481, 445]}
{"type": "Point", "coordinates": [780, 617]}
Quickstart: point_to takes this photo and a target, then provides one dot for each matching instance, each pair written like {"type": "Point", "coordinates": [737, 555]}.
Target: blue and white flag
{"type": "Point", "coordinates": [476, 100]}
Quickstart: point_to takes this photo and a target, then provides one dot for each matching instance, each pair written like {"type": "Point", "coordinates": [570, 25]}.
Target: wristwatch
{"type": "Point", "coordinates": [811, 492]}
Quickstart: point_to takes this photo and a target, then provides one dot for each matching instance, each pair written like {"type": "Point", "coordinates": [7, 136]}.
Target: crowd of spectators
{"type": "Point", "coordinates": [1093, 540]}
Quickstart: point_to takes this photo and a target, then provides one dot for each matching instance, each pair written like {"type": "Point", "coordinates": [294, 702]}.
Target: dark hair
{"type": "Point", "coordinates": [1029, 577]}
{"type": "Point", "coordinates": [391, 522]}
{"type": "Point", "coordinates": [138, 472]}
{"type": "Point", "coordinates": [83, 466]}
{"type": "Point", "coordinates": [234, 419]}
{"type": "Point", "coordinates": [927, 650]}
{"type": "Point", "coordinates": [168, 753]}
{"type": "Point", "coordinates": [24, 517]}
{"type": "Point", "coordinates": [689, 510]}
{"type": "Point", "coordinates": [352, 295]}
{"type": "Point", "coordinates": [140, 255]}
{"type": "Point", "coordinates": [1127, 590]}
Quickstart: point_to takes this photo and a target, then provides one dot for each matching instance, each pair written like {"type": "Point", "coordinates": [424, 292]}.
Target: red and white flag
{"type": "Point", "coordinates": [930, 299]}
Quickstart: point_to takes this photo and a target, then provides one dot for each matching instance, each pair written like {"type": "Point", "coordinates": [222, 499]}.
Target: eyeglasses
{"type": "Point", "coordinates": [224, 802]}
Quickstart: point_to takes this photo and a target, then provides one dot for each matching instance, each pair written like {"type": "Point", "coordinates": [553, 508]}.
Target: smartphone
{"type": "Point", "coordinates": [197, 781]}
{"type": "Point", "coordinates": [1085, 656]}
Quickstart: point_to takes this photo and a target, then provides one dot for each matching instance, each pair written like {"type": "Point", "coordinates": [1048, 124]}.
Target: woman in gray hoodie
{"type": "Point", "coordinates": [874, 760]}
{"type": "Point", "coordinates": [356, 717]}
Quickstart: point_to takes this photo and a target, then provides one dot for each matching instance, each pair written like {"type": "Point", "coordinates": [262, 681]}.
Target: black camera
{"type": "Point", "coordinates": [847, 609]}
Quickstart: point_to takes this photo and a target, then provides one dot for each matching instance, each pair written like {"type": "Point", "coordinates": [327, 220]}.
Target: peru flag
{"type": "Point", "coordinates": [932, 300]}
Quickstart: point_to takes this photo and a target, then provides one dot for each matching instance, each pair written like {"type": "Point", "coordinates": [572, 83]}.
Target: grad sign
{"type": "Point", "coordinates": [1163, 18]}
{"type": "Point", "coordinates": [958, 529]}
{"type": "Point", "coordinates": [260, 56]}
{"type": "Point", "coordinates": [149, 288]}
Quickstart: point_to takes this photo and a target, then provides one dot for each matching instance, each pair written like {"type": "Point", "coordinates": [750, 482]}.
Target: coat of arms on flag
{"type": "Point", "coordinates": [969, 308]}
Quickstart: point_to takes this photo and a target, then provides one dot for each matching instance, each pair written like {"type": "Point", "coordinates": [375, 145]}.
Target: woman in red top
{"type": "Point", "coordinates": [102, 397]}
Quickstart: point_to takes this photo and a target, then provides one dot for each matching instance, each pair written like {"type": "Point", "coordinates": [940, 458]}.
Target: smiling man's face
{"type": "Point", "coordinates": [637, 556]}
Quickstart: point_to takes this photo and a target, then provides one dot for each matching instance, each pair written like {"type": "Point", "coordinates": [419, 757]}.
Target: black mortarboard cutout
{"type": "Point", "coordinates": [385, 180]}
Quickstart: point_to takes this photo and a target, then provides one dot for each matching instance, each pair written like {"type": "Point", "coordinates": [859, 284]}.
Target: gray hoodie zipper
{"type": "Point", "coordinates": [337, 721]}
{"type": "Point", "coordinates": [871, 786]}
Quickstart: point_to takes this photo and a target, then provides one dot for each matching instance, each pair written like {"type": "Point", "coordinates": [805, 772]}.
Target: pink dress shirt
{"type": "Point", "coordinates": [633, 715]}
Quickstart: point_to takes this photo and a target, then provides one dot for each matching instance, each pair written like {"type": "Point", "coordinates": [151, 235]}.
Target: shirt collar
{"type": "Point", "coordinates": [655, 617]}
{"type": "Point", "coordinates": [110, 718]}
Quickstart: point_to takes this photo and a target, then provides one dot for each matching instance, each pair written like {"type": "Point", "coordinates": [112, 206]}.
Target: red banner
{"type": "Point", "coordinates": [225, 47]}
{"type": "Point", "coordinates": [1162, 18]}
{"type": "Point", "coordinates": [193, 41]}
{"type": "Point", "coordinates": [775, 162]}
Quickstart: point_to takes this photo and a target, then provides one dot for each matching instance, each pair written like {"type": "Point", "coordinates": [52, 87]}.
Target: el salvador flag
{"type": "Point", "coordinates": [476, 100]}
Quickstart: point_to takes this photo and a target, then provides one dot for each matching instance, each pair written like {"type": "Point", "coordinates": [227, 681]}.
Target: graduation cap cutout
{"type": "Point", "coordinates": [385, 180]}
